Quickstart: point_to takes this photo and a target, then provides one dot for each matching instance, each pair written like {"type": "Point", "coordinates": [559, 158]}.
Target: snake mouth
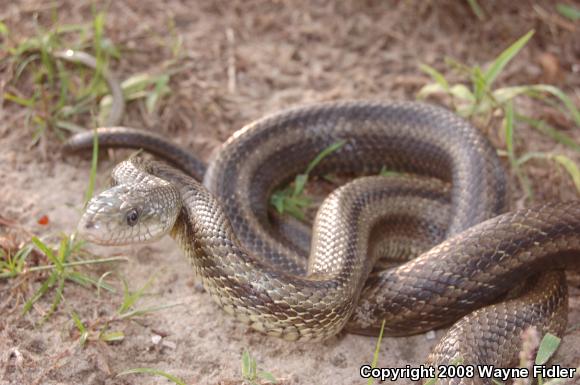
{"type": "Point", "coordinates": [102, 222]}
{"type": "Point", "coordinates": [129, 213]}
{"type": "Point", "coordinates": [93, 231]}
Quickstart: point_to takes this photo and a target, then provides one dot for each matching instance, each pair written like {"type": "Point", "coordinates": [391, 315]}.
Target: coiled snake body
{"type": "Point", "coordinates": [260, 279]}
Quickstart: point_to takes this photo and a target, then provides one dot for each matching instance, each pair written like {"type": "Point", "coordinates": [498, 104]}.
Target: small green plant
{"type": "Point", "coordinates": [100, 329]}
{"type": "Point", "coordinates": [250, 372]}
{"type": "Point", "coordinates": [13, 265]}
{"type": "Point", "coordinates": [155, 372]}
{"type": "Point", "coordinates": [292, 199]}
{"type": "Point", "coordinates": [81, 328]}
{"type": "Point", "coordinates": [482, 102]}
{"type": "Point", "coordinates": [126, 310]}
{"type": "Point", "coordinates": [62, 269]}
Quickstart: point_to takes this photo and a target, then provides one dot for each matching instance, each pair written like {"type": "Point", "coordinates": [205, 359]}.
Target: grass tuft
{"type": "Point", "coordinates": [292, 199]}
{"type": "Point", "coordinates": [61, 269]}
{"type": "Point", "coordinates": [100, 329]}
{"type": "Point", "coordinates": [58, 97]}
{"type": "Point", "coordinates": [251, 374]}
{"type": "Point", "coordinates": [480, 102]}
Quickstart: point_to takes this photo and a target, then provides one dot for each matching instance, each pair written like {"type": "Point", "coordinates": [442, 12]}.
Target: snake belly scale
{"type": "Point", "coordinates": [222, 226]}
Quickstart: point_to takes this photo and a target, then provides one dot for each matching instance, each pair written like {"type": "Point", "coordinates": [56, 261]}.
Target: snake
{"type": "Point", "coordinates": [450, 191]}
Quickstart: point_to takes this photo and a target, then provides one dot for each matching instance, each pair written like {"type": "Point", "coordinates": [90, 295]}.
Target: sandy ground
{"type": "Point", "coordinates": [239, 60]}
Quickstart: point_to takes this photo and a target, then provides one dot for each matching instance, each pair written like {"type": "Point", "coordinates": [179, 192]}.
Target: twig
{"type": "Point", "coordinates": [231, 60]}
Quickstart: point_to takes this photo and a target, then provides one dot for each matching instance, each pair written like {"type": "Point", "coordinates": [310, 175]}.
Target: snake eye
{"type": "Point", "coordinates": [132, 217]}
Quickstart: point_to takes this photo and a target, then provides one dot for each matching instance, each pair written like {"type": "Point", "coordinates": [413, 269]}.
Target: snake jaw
{"type": "Point", "coordinates": [125, 214]}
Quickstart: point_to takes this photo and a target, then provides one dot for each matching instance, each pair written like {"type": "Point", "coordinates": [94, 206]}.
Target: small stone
{"type": "Point", "coordinates": [430, 335]}
{"type": "Point", "coordinates": [156, 338]}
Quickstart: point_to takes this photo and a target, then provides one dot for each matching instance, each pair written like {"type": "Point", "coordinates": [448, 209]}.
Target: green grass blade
{"type": "Point", "coordinates": [4, 29]}
{"type": "Point", "coordinates": [277, 200]}
{"type": "Point", "coordinates": [156, 372]}
{"type": "Point", "coordinates": [290, 199]}
{"type": "Point", "coordinates": [130, 298]}
{"type": "Point", "coordinates": [102, 284]}
{"type": "Point", "coordinates": [550, 131]}
{"type": "Point", "coordinates": [437, 76]}
{"type": "Point", "coordinates": [64, 87]}
{"type": "Point", "coordinates": [429, 89]}
{"type": "Point", "coordinates": [571, 167]}
{"type": "Point", "coordinates": [140, 312]}
{"type": "Point", "coordinates": [246, 364]}
{"type": "Point", "coordinates": [563, 160]}
{"type": "Point", "coordinates": [81, 328]}
{"type": "Point", "coordinates": [323, 154]}
{"type": "Point", "coordinates": [86, 281]}
{"type": "Point", "coordinates": [134, 86]}
{"type": "Point", "coordinates": [42, 290]}
{"type": "Point", "coordinates": [461, 92]}
{"type": "Point", "coordinates": [80, 263]}
{"type": "Point", "coordinates": [44, 248]}
{"type": "Point", "coordinates": [509, 132]}
{"type": "Point", "coordinates": [476, 9]}
{"type": "Point", "coordinates": [46, 60]}
{"type": "Point", "coordinates": [160, 90]}
{"type": "Point", "coordinates": [58, 297]}
{"type": "Point", "coordinates": [502, 95]}
{"type": "Point", "coordinates": [18, 100]}
{"type": "Point", "coordinates": [24, 64]}
{"type": "Point", "coordinates": [376, 353]}
{"type": "Point", "coordinates": [299, 184]}
{"type": "Point", "coordinates": [63, 251]}
{"type": "Point", "coordinates": [78, 323]}
{"type": "Point", "coordinates": [269, 377]}
{"type": "Point", "coordinates": [69, 126]}
{"type": "Point", "coordinates": [531, 155]}
{"type": "Point", "coordinates": [504, 58]}
{"type": "Point", "coordinates": [568, 11]}
{"type": "Point", "coordinates": [480, 85]}
{"type": "Point", "coordinates": [547, 348]}
{"type": "Point", "coordinates": [563, 98]}
{"type": "Point", "coordinates": [98, 30]}
{"type": "Point", "coordinates": [112, 336]}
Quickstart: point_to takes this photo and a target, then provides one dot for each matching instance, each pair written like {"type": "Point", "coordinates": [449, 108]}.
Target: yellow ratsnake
{"type": "Point", "coordinates": [450, 209]}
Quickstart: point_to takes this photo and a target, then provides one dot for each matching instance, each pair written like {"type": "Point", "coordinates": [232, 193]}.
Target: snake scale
{"type": "Point", "coordinates": [456, 200]}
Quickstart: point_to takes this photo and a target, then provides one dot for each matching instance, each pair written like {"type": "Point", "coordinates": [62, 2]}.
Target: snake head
{"type": "Point", "coordinates": [130, 213]}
